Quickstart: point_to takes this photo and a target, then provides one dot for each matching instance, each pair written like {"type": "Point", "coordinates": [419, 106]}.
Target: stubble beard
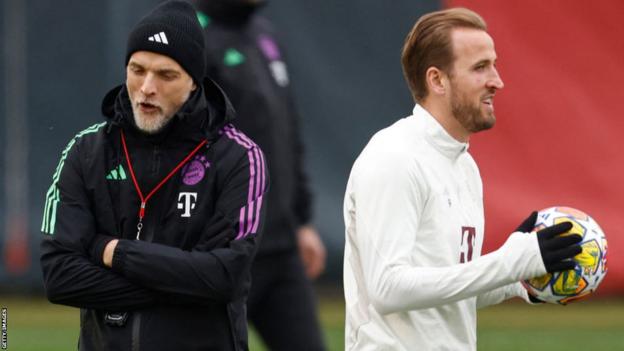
{"type": "Point", "coordinates": [156, 122]}
{"type": "Point", "coordinates": [469, 115]}
{"type": "Point", "coordinates": [150, 124]}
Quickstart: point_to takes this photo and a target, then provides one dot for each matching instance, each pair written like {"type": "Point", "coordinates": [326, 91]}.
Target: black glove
{"type": "Point", "coordinates": [528, 224]}
{"type": "Point", "coordinates": [556, 250]}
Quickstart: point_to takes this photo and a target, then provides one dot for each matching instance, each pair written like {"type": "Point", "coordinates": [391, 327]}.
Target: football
{"type": "Point", "coordinates": [591, 264]}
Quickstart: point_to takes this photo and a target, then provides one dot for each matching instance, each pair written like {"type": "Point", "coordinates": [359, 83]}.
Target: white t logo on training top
{"type": "Point", "coordinates": [186, 202]}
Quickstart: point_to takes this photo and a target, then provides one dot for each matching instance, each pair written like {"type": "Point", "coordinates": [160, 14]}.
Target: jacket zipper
{"type": "Point", "coordinates": [156, 167]}
{"type": "Point", "coordinates": [136, 331]}
{"type": "Point", "coordinates": [155, 160]}
{"type": "Point", "coordinates": [233, 328]}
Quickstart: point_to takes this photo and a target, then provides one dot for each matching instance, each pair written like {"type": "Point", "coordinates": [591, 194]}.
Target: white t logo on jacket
{"type": "Point", "coordinates": [186, 202]}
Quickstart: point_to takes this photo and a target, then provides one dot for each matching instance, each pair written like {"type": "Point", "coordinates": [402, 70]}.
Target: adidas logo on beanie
{"type": "Point", "coordinates": [171, 29]}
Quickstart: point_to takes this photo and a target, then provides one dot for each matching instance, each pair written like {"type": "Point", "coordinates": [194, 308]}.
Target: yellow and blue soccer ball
{"type": "Point", "coordinates": [591, 264]}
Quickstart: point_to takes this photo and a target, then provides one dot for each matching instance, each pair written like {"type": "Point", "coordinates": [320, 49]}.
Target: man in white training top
{"type": "Point", "coordinates": [413, 271]}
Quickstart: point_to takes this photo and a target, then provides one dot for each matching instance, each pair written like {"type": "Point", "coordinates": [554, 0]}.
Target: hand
{"type": "Point", "coordinates": [556, 250]}
{"type": "Point", "coordinates": [109, 250]}
{"type": "Point", "coordinates": [312, 251]}
{"type": "Point", "coordinates": [96, 247]}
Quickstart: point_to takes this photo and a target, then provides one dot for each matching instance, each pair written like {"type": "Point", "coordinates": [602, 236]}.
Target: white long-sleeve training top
{"type": "Point", "coordinates": [413, 271]}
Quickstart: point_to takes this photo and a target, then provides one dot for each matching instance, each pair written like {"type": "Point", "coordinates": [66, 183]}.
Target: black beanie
{"type": "Point", "coordinates": [171, 29]}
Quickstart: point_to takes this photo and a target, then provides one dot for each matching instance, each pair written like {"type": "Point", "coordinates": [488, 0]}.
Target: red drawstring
{"type": "Point", "coordinates": [157, 187]}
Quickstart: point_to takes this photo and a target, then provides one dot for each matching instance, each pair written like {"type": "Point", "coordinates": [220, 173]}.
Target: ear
{"type": "Point", "coordinates": [437, 81]}
{"type": "Point", "coordinates": [194, 87]}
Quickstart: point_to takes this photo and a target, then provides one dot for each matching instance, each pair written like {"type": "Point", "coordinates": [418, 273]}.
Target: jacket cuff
{"type": "Point", "coordinates": [303, 215]}
{"type": "Point", "coordinates": [119, 257]}
{"type": "Point", "coordinates": [97, 248]}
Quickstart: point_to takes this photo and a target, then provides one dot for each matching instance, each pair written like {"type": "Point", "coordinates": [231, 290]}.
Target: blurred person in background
{"type": "Point", "coordinates": [152, 220]}
{"type": "Point", "coordinates": [413, 270]}
{"type": "Point", "coordinates": [246, 60]}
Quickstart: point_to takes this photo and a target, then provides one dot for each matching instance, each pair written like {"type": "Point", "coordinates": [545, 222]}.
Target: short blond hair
{"type": "Point", "coordinates": [429, 44]}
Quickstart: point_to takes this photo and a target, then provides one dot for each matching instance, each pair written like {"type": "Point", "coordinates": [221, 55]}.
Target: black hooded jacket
{"type": "Point", "coordinates": [245, 59]}
{"type": "Point", "coordinates": [183, 285]}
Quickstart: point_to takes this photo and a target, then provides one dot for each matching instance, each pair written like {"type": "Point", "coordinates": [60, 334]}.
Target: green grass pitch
{"type": "Point", "coordinates": [36, 325]}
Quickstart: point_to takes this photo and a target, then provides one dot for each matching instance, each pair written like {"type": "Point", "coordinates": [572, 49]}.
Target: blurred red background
{"type": "Point", "coordinates": [559, 117]}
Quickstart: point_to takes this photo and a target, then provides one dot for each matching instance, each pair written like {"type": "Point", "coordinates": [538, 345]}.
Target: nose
{"type": "Point", "coordinates": [148, 87]}
{"type": "Point", "coordinates": [495, 80]}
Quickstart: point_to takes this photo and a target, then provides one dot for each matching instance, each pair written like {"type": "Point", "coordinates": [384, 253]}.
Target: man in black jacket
{"type": "Point", "coordinates": [244, 58]}
{"type": "Point", "coordinates": [153, 217]}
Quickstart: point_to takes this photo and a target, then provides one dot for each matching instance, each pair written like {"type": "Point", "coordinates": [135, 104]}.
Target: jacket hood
{"type": "Point", "coordinates": [207, 109]}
